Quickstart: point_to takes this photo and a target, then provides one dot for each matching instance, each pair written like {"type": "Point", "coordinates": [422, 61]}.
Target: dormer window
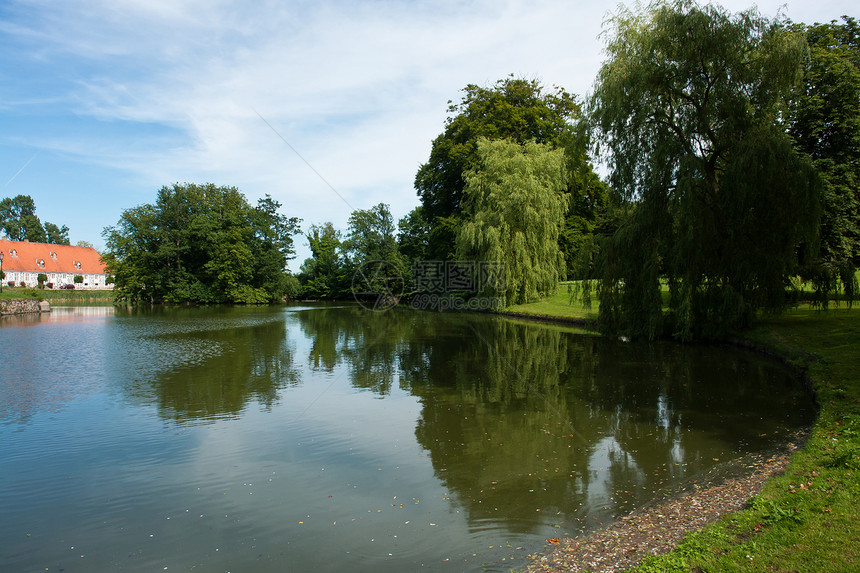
{"type": "Point", "coordinates": [54, 256]}
{"type": "Point", "coordinates": [41, 263]}
{"type": "Point", "coordinates": [14, 252]}
{"type": "Point", "coordinates": [78, 265]}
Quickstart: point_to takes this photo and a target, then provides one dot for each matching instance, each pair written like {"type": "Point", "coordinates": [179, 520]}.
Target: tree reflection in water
{"type": "Point", "coordinates": [521, 418]}
{"type": "Point", "coordinates": [198, 369]}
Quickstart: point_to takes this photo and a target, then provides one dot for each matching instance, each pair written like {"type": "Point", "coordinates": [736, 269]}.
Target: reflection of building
{"type": "Point", "coordinates": [59, 314]}
{"type": "Point", "coordinates": [23, 262]}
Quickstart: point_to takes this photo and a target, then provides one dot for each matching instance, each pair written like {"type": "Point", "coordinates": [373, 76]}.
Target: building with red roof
{"type": "Point", "coordinates": [24, 261]}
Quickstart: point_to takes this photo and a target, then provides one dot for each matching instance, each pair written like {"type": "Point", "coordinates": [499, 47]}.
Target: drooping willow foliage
{"type": "Point", "coordinates": [516, 206]}
{"type": "Point", "coordinates": [691, 105]}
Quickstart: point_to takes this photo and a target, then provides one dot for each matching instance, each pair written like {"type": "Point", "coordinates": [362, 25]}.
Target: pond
{"type": "Point", "coordinates": [331, 438]}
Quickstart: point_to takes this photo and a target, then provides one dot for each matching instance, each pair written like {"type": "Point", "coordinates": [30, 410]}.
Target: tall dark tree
{"type": "Point", "coordinates": [515, 109]}
{"type": "Point", "coordinates": [690, 103]}
{"type": "Point", "coordinates": [825, 121]}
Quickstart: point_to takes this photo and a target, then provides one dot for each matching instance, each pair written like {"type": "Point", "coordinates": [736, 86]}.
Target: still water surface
{"type": "Point", "coordinates": [337, 439]}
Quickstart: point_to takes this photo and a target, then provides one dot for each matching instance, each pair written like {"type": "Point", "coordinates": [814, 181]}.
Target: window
{"type": "Point", "coordinates": [78, 265]}
{"type": "Point", "coordinates": [41, 263]}
{"type": "Point", "coordinates": [54, 256]}
{"type": "Point", "coordinates": [14, 252]}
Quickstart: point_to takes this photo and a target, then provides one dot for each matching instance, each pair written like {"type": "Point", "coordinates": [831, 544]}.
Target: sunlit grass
{"type": "Point", "coordinates": [83, 296]}
{"type": "Point", "coordinates": [561, 304]}
{"type": "Point", "coordinates": [18, 292]}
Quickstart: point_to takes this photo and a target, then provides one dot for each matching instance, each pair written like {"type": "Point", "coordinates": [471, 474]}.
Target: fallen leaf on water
{"type": "Point", "coordinates": [554, 540]}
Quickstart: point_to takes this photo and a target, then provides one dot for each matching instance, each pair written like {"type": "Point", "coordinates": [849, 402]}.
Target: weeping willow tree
{"type": "Point", "coordinates": [691, 105]}
{"type": "Point", "coordinates": [515, 208]}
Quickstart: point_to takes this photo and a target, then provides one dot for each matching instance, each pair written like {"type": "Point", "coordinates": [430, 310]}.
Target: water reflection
{"type": "Point", "coordinates": [201, 368]}
{"type": "Point", "coordinates": [192, 364]}
{"type": "Point", "coordinates": [520, 419]}
{"type": "Point", "coordinates": [57, 314]}
{"type": "Point", "coordinates": [50, 359]}
{"type": "Point", "coordinates": [408, 437]}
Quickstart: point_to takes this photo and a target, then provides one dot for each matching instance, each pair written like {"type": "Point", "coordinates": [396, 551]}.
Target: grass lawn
{"type": "Point", "coordinates": [558, 305]}
{"type": "Point", "coordinates": [806, 519]}
{"type": "Point", "coordinates": [59, 295]}
{"type": "Point", "coordinates": [18, 292]}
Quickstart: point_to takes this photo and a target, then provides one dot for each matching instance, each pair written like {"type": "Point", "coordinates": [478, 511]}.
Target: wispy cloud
{"type": "Point", "coordinates": [166, 90]}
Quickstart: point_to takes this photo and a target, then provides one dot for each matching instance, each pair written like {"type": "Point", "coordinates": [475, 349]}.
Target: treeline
{"type": "Point", "coordinates": [18, 221]}
{"type": "Point", "coordinates": [508, 182]}
{"type": "Point", "coordinates": [733, 150]}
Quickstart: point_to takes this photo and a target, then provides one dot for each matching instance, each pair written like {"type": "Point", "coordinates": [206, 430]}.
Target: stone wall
{"type": "Point", "coordinates": [19, 306]}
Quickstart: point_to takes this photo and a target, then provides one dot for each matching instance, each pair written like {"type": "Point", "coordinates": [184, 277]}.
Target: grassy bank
{"type": "Point", "coordinates": [560, 305]}
{"type": "Point", "coordinates": [59, 296]}
{"type": "Point", "coordinates": [19, 292]}
{"type": "Point", "coordinates": [805, 519]}
{"type": "Point", "coordinates": [77, 296]}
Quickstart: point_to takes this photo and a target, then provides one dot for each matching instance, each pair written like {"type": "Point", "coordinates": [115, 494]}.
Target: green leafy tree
{"type": "Point", "coordinates": [374, 264]}
{"type": "Point", "coordinates": [41, 278]}
{"type": "Point", "coordinates": [19, 222]}
{"type": "Point", "coordinates": [825, 121]}
{"type": "Point", "coordinates": [12, 211]}
{"type": "Point", "coordinates": [273, 244]}
{"type": "Point", "coordinates": [201, 243]}
{"type": "Point", "coordinates": [690, 104]}
{"type": "Point", "coordinates": [56, 235]}
{"type": "Point", "coordinates": [32, 229]}
{"type": "Point", "coordinates": [515, 109]}
{"type": "Point", "coordinates": [130, 254]}
{"type": "Point", "coordinates": [371, 236]}
{"type": "Point", "coordinates": [413, 237]}
{"type": "Point", "coordinates": [413, 232]}
{"type": "Point", "coordinates": [515, 200]}
{"type": "Point", "coordinates": [321, 275]}
{"type": "Point", "coordinates": [78, 279]}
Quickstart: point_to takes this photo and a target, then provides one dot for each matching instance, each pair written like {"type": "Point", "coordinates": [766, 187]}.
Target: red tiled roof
{"type": "Point", "coordinates": [57, 258]}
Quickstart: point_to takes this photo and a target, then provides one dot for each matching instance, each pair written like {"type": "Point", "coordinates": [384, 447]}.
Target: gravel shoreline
{"type": "Point", "coordinates": [657, 529]}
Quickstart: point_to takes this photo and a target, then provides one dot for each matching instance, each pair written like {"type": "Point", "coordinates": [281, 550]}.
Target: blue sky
{"type": "Point", "coordinates": [104, 102]}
